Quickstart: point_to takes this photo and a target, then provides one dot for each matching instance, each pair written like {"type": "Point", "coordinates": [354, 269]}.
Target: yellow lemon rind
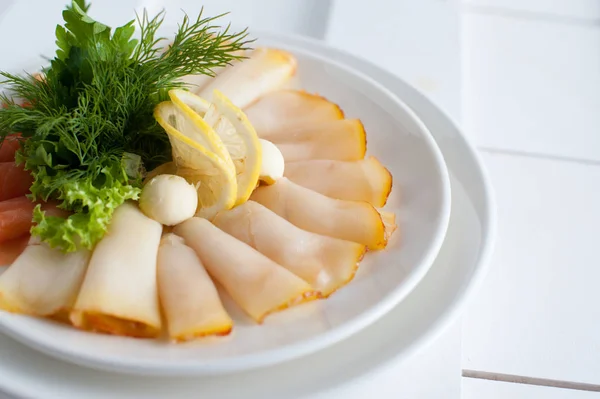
{"type": "Point", "coordinates": [245, 129]}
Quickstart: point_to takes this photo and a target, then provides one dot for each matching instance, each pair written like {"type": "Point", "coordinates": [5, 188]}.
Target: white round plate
{"type": "Point", "coordinates": [420, 198]}
{"type": "Point", "coordinates": [413, 323]}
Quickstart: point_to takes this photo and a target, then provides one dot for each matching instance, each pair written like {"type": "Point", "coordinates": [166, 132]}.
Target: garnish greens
{"type": "Point", "coordinates": [88, 123]}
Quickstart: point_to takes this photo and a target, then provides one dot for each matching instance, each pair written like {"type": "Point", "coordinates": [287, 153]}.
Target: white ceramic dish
{"type": "Point", "coordinates": [413, 323]}
{"type": "Point", "coordinates": [420, 198]}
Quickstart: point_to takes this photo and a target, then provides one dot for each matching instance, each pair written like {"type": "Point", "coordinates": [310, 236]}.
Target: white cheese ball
{"type": "Point", "coordinates": [169, 199]}
{"type": "Point", "coordinates": [273, 164]}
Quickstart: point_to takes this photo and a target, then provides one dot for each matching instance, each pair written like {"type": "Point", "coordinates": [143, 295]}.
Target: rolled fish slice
{"type": "Point", "coordinates": [326, 131]}
{"type": "Point", "coordinates": [195, 83]}
{"type": "Point", "coordinates": [119, 293]}
{"type": "Point", "coordinates": [265, 70]}
{"type": "Point", "coordinates": [355, 221]}
{"type": "Point", "coordinates": [364, 180]}
{"type": "Point", "coordinates": [256, 283]}
{"type": "Point", "coordinates": [326, 263]}
{"type": "Point", "coordinates": [188, 297]}
{"type": "Point", "coordinates": [342, 140]}
{"type": "Point", "coordinates": [11, 249]}
{"type": "Point", "coordinates": [198, 82]}
{"type": "Point", "coordinates": [278, 112]}
{"type": "Point", "coordinates": [15, 181]}
{"type": "Point", "coordinates": [16, 216]}
{"type": "Point", "coordinates": [321, 149]}
{"type": "Point", "coordinates": [43, 281]}
{"type": "Point", "coordinates": [9, 147]}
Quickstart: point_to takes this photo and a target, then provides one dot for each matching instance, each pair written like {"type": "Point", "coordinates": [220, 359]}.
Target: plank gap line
{"type": "Point", "coordinates": [518, 379]}
{"type": "Point", "coordinates": [528, 154]}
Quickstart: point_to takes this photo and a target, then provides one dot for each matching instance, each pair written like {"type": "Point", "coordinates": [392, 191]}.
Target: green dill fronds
{"type": "Point", "coordinates": [95, 103]}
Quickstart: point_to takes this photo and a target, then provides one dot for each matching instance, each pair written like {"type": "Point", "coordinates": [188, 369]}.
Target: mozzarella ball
{"type": "Point", "coordinates": [169, 199]}
{"type": "Point", "coordinates": [273, 164]}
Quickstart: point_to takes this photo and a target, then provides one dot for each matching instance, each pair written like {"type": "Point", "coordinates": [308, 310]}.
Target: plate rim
{"type": "Point", "coordinates": [302, 347]}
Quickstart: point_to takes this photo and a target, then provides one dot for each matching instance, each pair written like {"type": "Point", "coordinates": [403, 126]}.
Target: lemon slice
{"type": "Point", "coordinates": [212, 175]}
{"type": "Point", "coordinates": [187, 118]}
{"type": "Point", "coordinates": [235, 131]}
{"type": "Point", "coordinates": [185, 98]}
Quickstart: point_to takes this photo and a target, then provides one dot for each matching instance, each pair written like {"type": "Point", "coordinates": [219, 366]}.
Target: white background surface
{"type": "Point", "coordinates": [532, 84]}
{"type": "Point", "coordinates": [534, 316]}
{"type": "Point", "coordinates": [523, 76]}
{"type": "Point", "coordinates": [532, 91]}
{"type": "Point", "coordinates": [530, 99]}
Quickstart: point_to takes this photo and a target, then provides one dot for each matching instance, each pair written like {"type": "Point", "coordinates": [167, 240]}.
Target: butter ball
{"type": "Point", "coordinates": [169, 199]}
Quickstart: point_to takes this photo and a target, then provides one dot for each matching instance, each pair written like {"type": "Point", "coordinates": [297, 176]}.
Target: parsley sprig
{"type": "Point", "coordinates": [91, 114]}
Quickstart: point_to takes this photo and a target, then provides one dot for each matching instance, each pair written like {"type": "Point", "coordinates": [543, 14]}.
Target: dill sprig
{"type": "Point", "coordinates": [93, 109]}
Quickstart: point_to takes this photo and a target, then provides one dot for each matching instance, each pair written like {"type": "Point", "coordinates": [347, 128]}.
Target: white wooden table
{"type": "Point", "coordinates": [524, 77]}
{"type": "Point", "coordinates": [532, 104]}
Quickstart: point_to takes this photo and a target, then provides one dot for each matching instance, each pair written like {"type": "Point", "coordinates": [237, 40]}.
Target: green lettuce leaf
{"type": "Point", "coordinates": [95, 207]}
